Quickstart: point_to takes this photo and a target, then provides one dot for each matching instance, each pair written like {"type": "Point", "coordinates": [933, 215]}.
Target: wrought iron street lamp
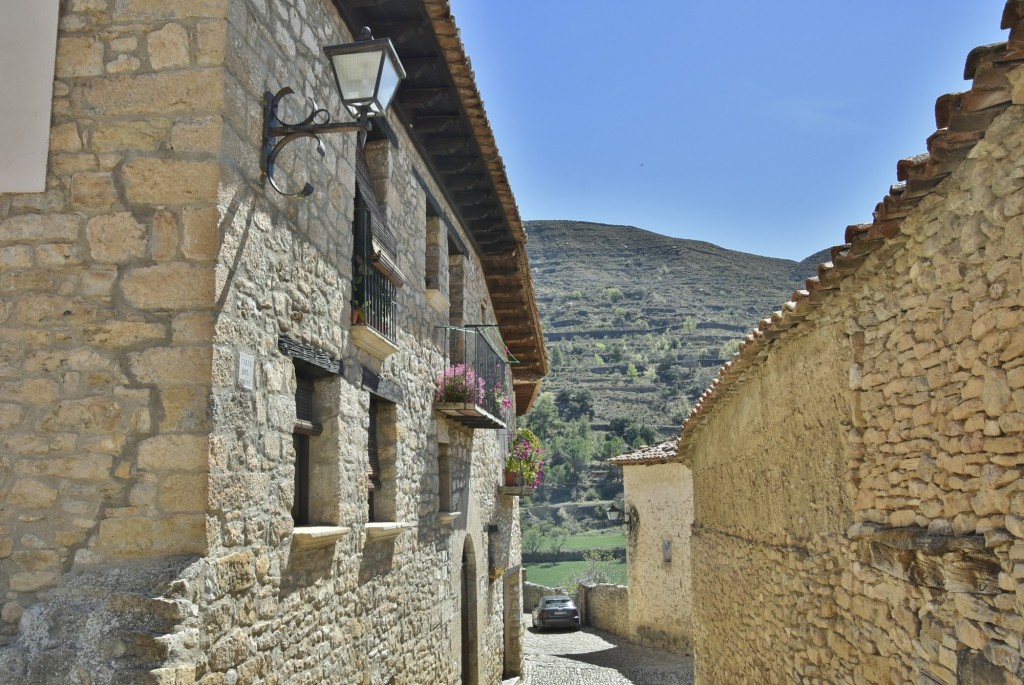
{"type": "Point", "coordinates": [367, 73]}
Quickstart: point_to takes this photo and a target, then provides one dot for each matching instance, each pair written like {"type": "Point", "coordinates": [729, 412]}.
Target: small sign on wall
{"type": "Point", "coordinates": [246, 370]}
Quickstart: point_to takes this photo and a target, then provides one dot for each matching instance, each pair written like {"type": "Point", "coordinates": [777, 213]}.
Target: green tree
{"type": "Point", "coordinates": [533, 539]}
{"type": "Point", "coordinates": [543, 418]}
{"type": "Point", "coordinates": [557, 537]}
{"type": "Point", "coordinates": [575, 404]}
{"type": "Point", "coordinates": [613, 294]}
{"type": "Point", "coordinates": [599, 568]}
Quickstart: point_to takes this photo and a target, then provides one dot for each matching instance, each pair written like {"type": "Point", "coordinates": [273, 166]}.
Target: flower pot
{"type": "Point", "coordinates": [513, 479]}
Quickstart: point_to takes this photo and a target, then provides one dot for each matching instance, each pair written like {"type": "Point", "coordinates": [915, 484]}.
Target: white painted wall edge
{"type": "Point", "coordinates": [28, 52]}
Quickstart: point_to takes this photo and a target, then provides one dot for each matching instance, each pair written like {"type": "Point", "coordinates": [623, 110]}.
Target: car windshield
{"type": "Point", "coordinates": [558, 602]}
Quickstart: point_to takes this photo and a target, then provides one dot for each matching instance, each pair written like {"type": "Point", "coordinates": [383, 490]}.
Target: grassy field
{"type": "Point", "coordinates": [609, 539]}
{"type": "Point", "coordinates": [552, 574]}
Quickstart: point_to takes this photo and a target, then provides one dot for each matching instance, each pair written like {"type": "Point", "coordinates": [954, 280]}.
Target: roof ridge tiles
{"type": "Point", "coordinates": [962, 120]}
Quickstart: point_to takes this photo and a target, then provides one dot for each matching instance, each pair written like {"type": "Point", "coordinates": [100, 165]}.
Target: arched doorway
{"type": "Point", "coordinates": [469, 611]}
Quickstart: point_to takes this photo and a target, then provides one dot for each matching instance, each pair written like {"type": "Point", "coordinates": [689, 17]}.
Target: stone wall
{"type": "Point", "coordinates": [858, 498]}
{"type": "Point", "coordinates": [149, 487]}
{"type": "Point", "coordinates": [107, 287]}
{"type": "Point", "coordinates": [659, 504]}
{"type": "Point", "coordinates": [605, 607]}
{"type": "Point", "coordinates": [769, 508]}
{"type": "Point", "coordinates": [533, 592]}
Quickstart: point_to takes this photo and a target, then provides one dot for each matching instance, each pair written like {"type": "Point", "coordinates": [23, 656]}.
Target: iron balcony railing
{"type": "Point", "coordinates": [475, 386]}
{"type": "Point", "coordinates": [373, 295]}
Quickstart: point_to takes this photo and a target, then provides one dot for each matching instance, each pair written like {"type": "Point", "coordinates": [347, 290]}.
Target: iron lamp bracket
{"type": "Point", "coordinates": [277, 134]}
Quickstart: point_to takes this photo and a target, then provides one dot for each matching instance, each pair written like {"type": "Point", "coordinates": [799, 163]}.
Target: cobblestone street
{"type": "Point", "coordinates": [593, 657]}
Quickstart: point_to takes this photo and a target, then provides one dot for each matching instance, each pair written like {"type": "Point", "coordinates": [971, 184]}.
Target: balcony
{"type": "Point", "coordinates": [475, 387]}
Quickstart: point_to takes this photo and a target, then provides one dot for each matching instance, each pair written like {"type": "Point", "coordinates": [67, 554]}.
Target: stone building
{"type": "Point", "coordinates": [659, 512]}
{"type": "Point", "coordinates": [222, 459]}
{"type": "Point", "coordinates": [858, 500]}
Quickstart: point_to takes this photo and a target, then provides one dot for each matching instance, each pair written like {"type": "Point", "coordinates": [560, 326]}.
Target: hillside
{"type": "Point", "coordinates": [642, 320]}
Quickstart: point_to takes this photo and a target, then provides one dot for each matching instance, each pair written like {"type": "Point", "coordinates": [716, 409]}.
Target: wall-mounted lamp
{"type": "Point", "coordinates": [367, 73]}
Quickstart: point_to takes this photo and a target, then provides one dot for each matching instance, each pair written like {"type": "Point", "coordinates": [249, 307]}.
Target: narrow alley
{"type": "Point", "coordinates": [594, 657]}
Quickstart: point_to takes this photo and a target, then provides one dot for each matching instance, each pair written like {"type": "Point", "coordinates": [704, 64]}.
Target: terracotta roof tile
{"type": "Point", "coordinates": [962, 119]}
{"type": "Point", "coordinates": [661, 453]}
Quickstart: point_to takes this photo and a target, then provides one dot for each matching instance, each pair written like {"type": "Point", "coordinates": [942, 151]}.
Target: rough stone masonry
{"type": "Point", "coordinates": [146, 533]}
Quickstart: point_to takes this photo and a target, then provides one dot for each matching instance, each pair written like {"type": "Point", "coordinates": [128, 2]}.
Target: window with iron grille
{"type": "Point", "coordinates": [376, 274]}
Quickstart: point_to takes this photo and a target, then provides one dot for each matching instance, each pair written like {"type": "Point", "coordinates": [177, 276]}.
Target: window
{"type": "Point", "coordinates": [381, 441]}
{"type": "Point", "coordinates": [373, 470]}
{"type": "Point", "coordinates": [382, 486]}
{"type": "Point", "coordinates": [316, 505]}
{"type": "Point", "coordinates": [304, 430]}
{"type": "Point", "coordinates": [456, 290]}
{"type": "Point", "coordinates": [444, 478]}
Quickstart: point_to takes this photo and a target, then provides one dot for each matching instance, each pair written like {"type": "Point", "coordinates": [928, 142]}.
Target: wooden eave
{"type": "Point", "coordinates": [440, 107]}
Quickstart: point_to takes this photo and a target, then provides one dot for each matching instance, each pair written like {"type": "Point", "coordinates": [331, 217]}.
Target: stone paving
{"type": "Point", "coordinates": [594, 657]}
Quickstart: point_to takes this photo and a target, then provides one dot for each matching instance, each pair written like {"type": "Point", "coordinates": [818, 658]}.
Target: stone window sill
{"type": "Point", "coordinates": [385, 531]}
{"type": "Point", "coordinates": [312, 537]}
{"type": "Point", "coordinates": [446, 518]}
{"type": "Point", "coordinates": [372, 342]}
{"type": "Point", "coordinates": [437, 301]}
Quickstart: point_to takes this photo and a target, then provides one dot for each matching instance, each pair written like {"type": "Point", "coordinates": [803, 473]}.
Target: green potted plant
{"type": "Point", "coordinates": [524, 464]}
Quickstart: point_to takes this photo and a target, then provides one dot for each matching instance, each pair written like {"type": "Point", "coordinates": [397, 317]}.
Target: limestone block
{"type": "Point", "coordinates": [10, 415]}
{"type": "Point", "coordinates": [185, 409]}
{"type": "Point", "coordinates": [188, 91]}
{"type": "Point", "coordinates": [168, 47]}
{"type": "Point", "coordinates": [180, 534]}
{"type": "Point", "coordinates": [229, 651]}
{"type": "Point", "coordinates": [34, 581]}
{"type": "Point", "coordinates": [200, 239]}
{"type": "Point", "coordinates": [37, 559]}
{"type": "Point", "coordinates": [65, 138]}
{"type": "Point", "coordinates": [40, 228]}
{"type": "Point", "coordinates": [174, 453]}
{"type": "Point", "coordinates": [149, 180]}
{"type": "Point", "coordinates": [236, 572]}
{"type": "Point", "coordinates": [121, 334]}
{"type": "Point", "coordinates": [126, 537]}
{"type": "Point", "coordinates": [165, 236]}
{"type": "Point", "coordinates": [123, 64]}
{"type": "Point", "coordinates": [79, 56]}
{"type": "Point", "coordinates": [183, 492]}
{"type": "Point", "coordinates": [135, 10]}
{"type": "Point", "coordinates": [212, 42]}
{"type": "Point", "coordinates": [58, 255]}
{"type": "Point", "coordinates": [116, 238]}
{"type": "Point", "coordinates": [197, 135]}
{"type": "Point", "coordinates": [6, 545]}
{"type": "Point", "coordinates": [11, 613]}
{"type": "Point", "coordinates": [16, 257]}
{"type": "Point", "coordinates": [31, 494]}
{"type": "Point", "coordinates": [98, 414]}
{"type": "Point", "coordinates": [90, 467]}
{"type": "Point", "coordinates": [145, 135]}
{"type": "Point", "coordinates": [93, 191]}
{"type": "Point", "coordinates": [174, 286]}
{"type": "Point", "coordinates": [192, 327]}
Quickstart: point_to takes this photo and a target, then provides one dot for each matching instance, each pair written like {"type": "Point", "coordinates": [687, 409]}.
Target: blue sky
{"type": "Point", "coordinates": [761, 127]}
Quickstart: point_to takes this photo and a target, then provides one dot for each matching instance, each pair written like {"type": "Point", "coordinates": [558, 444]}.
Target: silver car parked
{"type": "Point", "coordinates": [555, 611]}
